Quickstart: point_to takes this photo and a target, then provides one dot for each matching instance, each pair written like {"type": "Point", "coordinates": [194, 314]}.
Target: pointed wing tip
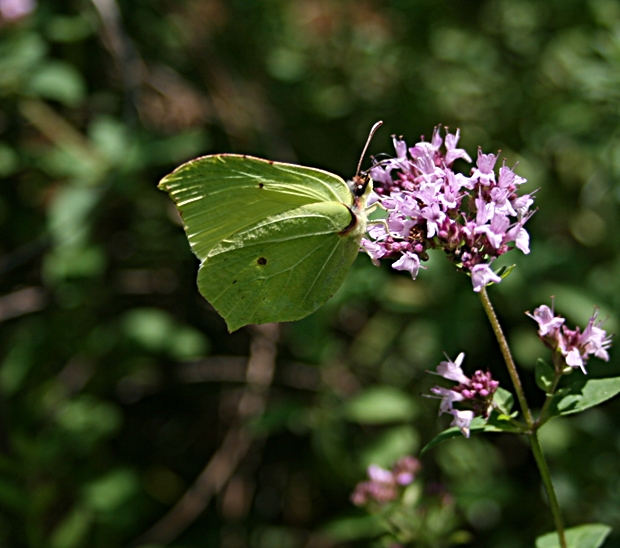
{"type": "Point", "coordinates": [232, 328]}
{"type": "Point", "coordinates": [165, 182]}
{"type": "Point", "coordinates": [162, 185]}
{"type": "Point", "coordinates": [234, 325]}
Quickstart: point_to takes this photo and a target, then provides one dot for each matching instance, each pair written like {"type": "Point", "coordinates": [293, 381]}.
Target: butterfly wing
{"type": "Point", "coordinates": [275, 240]}
{"type": "Point", "coordinates": [221, 195]}
{"type": "Point", "coordinates": [281, 269]}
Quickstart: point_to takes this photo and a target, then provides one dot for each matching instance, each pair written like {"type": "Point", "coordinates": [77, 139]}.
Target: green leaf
{"type": "Point", "coordinates": [59, 81]}
{"type": "Point", "coordinates": [72, 530]}
{"type": "Point", "coordinates": [477, 425]}
{"type": "Point", "coordinates": [9, 160]}
{"type": "Point", "coordinates": [110, 138]}
{"type": "Point", "coordinates": [505, 271]}
{"type": "Point", "coordinates": [582, 394]}
{"type": "Point", "coordinates": [18, 56]}
{"type": "Point", "coordinates": [545, 375]}
{"type": "Point", "coordinates": [111, 491]}
{"type": "Point", "coordinates": [69, 29]}
{"type": "Point", "coordinates": [88, 419]}
{"type": "Point", "coordinates": [504, 400]}
{"type": "Point", "coordinates": [353, 528]}
{"type": "Point", "coordinates": [16, 364]}
{"type": "Point", "coordinates": [380, 404]}
{"type": "Point", "coordinates": [500, 422]}
{"type": "Point", "coordinates": [276, 418]}
{"type": "Point", "coordinates": [74, 262]}
{"type": "Point", "coordinates": [158, 331]}
{"type": "Point", "coordinates": [584, 536]}
{"type": "Point", "coordinates": [391, 445]}
{"type": "Point", "coordinates": [497, 422]}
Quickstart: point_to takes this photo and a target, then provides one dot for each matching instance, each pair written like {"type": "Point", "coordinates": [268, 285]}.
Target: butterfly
{"type": "Point", "coordinates": [275, 240]}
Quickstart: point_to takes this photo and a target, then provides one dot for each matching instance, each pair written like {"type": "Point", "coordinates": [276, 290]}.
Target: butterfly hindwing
{"type": "Point", "coordinates": [283, 268]}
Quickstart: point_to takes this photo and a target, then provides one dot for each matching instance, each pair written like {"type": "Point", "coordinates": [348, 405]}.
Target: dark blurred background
{"type": "Point", "coordinates": [128, 415]}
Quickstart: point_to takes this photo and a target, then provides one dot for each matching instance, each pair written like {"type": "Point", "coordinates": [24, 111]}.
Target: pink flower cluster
{"type": "Point", "coordinates": [472, 219]}
{"type": "Point", "coordinates": [476, 393]}
{"type": "Point", "coordinates": [571, 347]}
{"type": "Point", "coordinates": [12, 10]}
{"type": "Point", "coordinates": [385, 485]}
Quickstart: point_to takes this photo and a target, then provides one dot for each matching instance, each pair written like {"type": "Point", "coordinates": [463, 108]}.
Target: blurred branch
{"type": "Point", "coordinates": [159, 94]}
{"type": "Point", "coordinates": [240, 105]}
{"type": "Point", "coordinates": [234, 447]}
{"type": "Point", "coordinates": [58, 130]}
{"type": "Point", "coordinates": [232, 369]}
{"type": "Point", "coordinates": [123, 51]}
{"type": "Point", "coordinates": [24, 301]}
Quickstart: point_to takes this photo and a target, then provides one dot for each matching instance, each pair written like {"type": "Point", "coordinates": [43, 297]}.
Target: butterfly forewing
{"type": "Point", "coordinates": [225, 194]}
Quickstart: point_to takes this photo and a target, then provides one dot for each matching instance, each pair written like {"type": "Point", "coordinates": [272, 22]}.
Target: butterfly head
{"type": "Point", "coordinates": [361, 187]}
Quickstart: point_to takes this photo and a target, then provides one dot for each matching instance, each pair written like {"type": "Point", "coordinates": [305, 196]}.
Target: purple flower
{"type": "Point", "coordinates": [448, 397]}
{"type": "Point", "coordinates": [473, 396]}
{"type": "Point", "coordinates": [462, 420]}
{"type": "Point", "coordinates": [520, 237]}
{"type": "Point", "coordinates": [482, 275]}
{"type": "Point", "coordinates": [405, 469]}
{"type": "Point", "coordinates": [548, 324]}
{"type": "Point", "coordinates": [484, 169]}
{"type": "Point", "coordinates": [409, 262]}
{"type": "Point", "coordinates": [385, 485]}
{"type": "Point", "coordinates": [571, 347]}
{"type": "Point", "coordinates": [452, 153]}
{"type": "Point", "coordinates": [595, 340]}
{"type": "Point", "coordinates": [379, 475]}
{"type": "Point", "coordinates": [495, 231]}
{"type": "Point", "coordinates": [11, 10]}
{"type": "Point", "coordinates": [374, 250]}
{"type": "Point", "coordinates": [451, 370]}
{"type": "Point", "coordinates": [472, 219]}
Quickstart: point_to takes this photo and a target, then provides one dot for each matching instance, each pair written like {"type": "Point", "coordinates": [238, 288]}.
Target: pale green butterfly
{"type": "Point", "coordinates": [275, 240]}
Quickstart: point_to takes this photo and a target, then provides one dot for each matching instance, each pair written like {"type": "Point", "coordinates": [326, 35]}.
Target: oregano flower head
{"type": "Point", "coordinates": [571, 347]}
{"type": "Point", "coordinates": [12, 10]}
{"type": "Point", "coordinates": [474, 219]}
{"type": "Point", "coordinates": [385, 485]}
{"type": "Point", "coordinates": [473, 396]}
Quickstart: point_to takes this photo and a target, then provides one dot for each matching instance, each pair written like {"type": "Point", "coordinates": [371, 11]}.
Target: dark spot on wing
{"type": "Point", "coordinates": [234, 281]}
{"type": "Point", "coordinates": [261, 185]}
{"type": "Point", "coordinates": [261, 261]}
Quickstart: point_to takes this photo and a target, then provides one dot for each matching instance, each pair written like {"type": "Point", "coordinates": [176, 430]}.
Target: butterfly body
{"type": "Point", "coordinates": [275, 240]}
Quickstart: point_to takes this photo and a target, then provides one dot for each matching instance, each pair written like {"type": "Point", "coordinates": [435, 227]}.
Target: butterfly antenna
{"type": "Point", "coordinates": [373, 129]}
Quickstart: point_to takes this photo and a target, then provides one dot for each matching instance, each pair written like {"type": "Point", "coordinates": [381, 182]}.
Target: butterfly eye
{"type": "Point", "coordinates": [360, 183]}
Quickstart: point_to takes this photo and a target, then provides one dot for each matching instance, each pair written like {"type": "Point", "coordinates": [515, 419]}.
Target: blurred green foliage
{"type": "Point", "coordinates": [118, 382]}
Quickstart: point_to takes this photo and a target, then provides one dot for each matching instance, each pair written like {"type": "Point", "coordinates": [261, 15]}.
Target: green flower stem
{"type": "Point", "coordinates": [527, 414]}
{"type": "Point", "coordinates": [546, 478]}
{"type": "Point", "coordinates": [510, 364]}
{"type": "Point", "coordinates": [542, 417]}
